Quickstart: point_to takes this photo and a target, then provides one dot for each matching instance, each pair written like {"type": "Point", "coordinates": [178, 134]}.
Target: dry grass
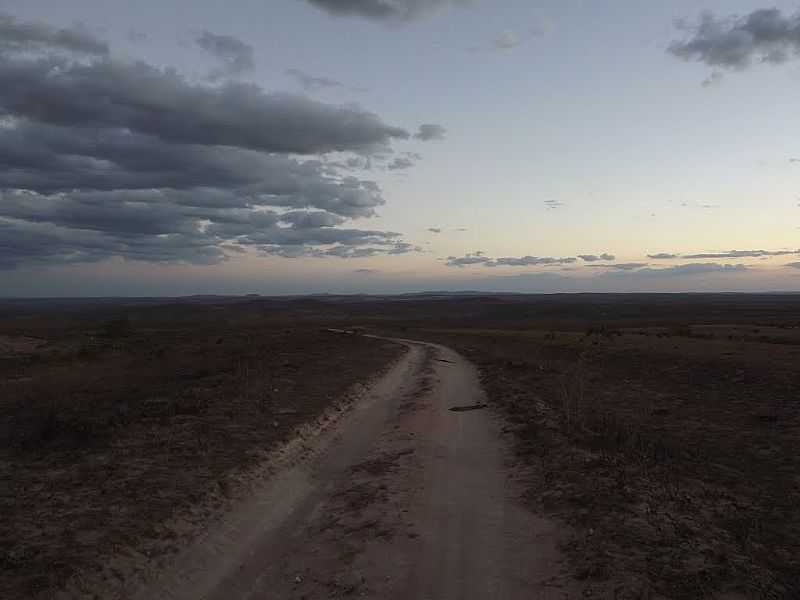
{"type": "Point", "coordinates": [114, 435]}
{"type": "Point", "coordinates": [671, 455]}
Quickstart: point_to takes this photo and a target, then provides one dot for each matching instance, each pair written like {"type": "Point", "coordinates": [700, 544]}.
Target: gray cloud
{"type": "Point", "coordinates": [48, 159]}
{"type": "Point", "coordinates": [693, 269]}
{"type": "Point", "coordinates": [595, 258]}
{"type": "Point", "coordinates": [400, 163]}
{"type": "Point", "coordinates": [27, 36]}
{"type": "Point", "coordinates": [553, 204]}
{"type": "Point", "coordinates": [713, 79]}
{"type": "Point", "coordinates": [662, 256]}
{"type": "Point", "coordinates": [743, 254]}
{"type": "Point", "coordinates": [475, 258]}
{"type": "Point", "coordinates": [522, 261]}
{"type": "Point", "coordinates": [101, 158]}
{"type": "Point", "coordinates": [764, 36]}
{"type": "Point", "coordinates": [384, 10]}
{"type": "Point", "coordinates": [313, 83]}
{"type": "Point", "coordinates": [622, 266]}
{"type": "Point", "coordinates": [794, 265]}
{"type": "Point", "coordinates": [235, 56]}
{"type": "Point", "coordinates": [434, 229]}
{"type": "Point", "coordinates": [430, 131]}
{"type": "Point", "coordinates": [302, 219]}
{"type": "Point", "coordinates": [531, 261]}
{"type": "Point", "coordinates": [151, 101]}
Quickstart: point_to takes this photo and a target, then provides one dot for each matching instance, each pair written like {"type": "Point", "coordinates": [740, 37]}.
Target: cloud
{"type": "Point", "coordinates": [434, 229]}
{"type": "Point", "coordinates": [32, 36]}
{"type": "Point", "coordinates": [794, 265]}
{"type": "Point", "coordinates": [743, 254]}
{"type": "Point", "coordinates": [400, 163]}
{"type": "Point", "coordinates": [714, 79]}
{"type": "Point", "coordinates": [302, 219]}
{"type": "Point", "coordinates": [366, 271]}
{"type": "Point", "coordinates": [105, 158]}
{"type": "Point", "coordinates": [235, 56]}
{"type": "Point", "coordinates": [693, 269]}
{"type": "Point", "coordinates": [531, 261]}
{"type": "Point", "coordinates": [430, 131]}
{"type": "Point", "coordinates": [662, 256]}
{"type": "Point", "coordinates": [384, 10]}
{"type": "Point", "coordinates": [312, 83]}
{"type": "Point", "coordinates": [476, 258]}
{"type": "Point", "coordinates": [161, 103]}
{"type": "Point", "coordinates": [522, 261]}
{"type": "Point", "coordinates": [595, 258]}
{"type": "Point", "coordinates": [553, 204]}
{"type": "Point", "coordinates": [49, 159]}
{"type": "Point", "coordinates": [763, 36]}
{"type": "Point", "coordinates": [622, 266]}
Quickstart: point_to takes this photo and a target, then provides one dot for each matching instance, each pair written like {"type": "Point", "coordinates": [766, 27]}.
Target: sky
{"type": "Point", "coordinates": [382, 146]}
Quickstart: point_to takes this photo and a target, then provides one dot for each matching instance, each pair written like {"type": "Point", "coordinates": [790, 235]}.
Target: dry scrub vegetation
{"type": "Point", "coordinates": [122, 432]}
{"type": "Point", "coordinates": [672, 451]}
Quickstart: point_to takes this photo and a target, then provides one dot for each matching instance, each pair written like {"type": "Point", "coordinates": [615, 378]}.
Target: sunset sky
{"type": "Point", "coordinates": [298, 146]}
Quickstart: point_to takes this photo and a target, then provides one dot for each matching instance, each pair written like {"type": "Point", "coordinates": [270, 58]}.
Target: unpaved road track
{"type": "Point", "coordinates": [406, 499]}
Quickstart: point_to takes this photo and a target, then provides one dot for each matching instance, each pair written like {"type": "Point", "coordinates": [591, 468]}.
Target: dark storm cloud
{"type": "Point", "coordinates": [743, 254]}
{"type": "Point", "coordinates": [28, 36]}
{"type": "Point", "coordinates": [662, 256]}
{"type": "Point", "coordinates": [383, 10]}
{"type": "Point", "coordinates": [763, 36]}
{"type": "Point", "coordinates": [430, 131]}
{"type": "Point", "coordinates": [596, 257]}
{"type": "Point", "coordinates": [235, 56]}
{"type": "Point", "coordinates": [161, 103]}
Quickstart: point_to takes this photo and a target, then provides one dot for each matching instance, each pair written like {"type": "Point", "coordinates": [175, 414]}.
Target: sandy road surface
{"type": "Point", "coordinates": [405, 499]}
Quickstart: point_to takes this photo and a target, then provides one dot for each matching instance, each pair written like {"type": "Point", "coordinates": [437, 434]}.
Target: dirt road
{"type": "Point", "coordinates": [404, 498]}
